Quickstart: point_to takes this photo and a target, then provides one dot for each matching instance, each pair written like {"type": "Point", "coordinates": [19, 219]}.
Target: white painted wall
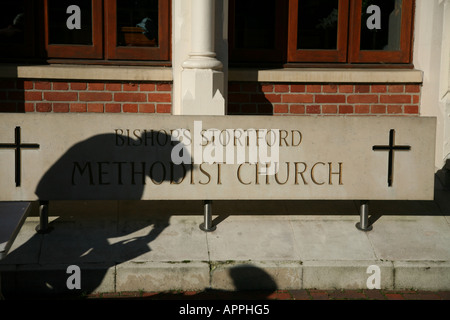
{"type": "Point", "coordinates": [432, 56]}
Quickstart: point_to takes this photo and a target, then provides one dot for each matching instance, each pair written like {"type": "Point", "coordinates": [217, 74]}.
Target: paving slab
{"type": "Point", "coordinates": [252, 239]}
{"type": "Point", "coordinates": [175, 239]}
{"type": "Point", "coordinates": [295, 245]}
{"type": "Point", "coordinates": [162, 276]}
{"type": "Point", "coordinates": [398, 238]}
{"type": "Point", "coordinates": [331, 240]}
{"type": "Point", "coordinates": [12, 216]}
{"type": "Point", "coordinates": [256, 275]}
{"type": "Point", "coordinates": [331, 275]}
{"type": "Point", "coordinates": [74, 243]}
{"type": "Point", "coordinates": [422, 275]}
{"type": "Point", "coordinates": [36, 280]}
{"type": "Point", "coordinates": [26, 248]}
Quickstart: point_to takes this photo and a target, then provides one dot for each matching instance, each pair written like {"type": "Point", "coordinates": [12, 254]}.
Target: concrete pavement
{"type": "Point", "coordinates": [155, 246]}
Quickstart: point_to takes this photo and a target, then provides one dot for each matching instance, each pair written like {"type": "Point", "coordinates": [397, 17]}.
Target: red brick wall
{"type": "Point", "coordinates": [81, 96]}
{"type": "Point", "coordinates": [324, 99]}
{"type": "Point", "coordinates": [18, 95]}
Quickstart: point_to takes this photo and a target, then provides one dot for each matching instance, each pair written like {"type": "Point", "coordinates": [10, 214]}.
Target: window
{"type": "Point", "coordinates": [318, 30]}
{"type": "Point", "coordinates": [322, 31]}
{"type": "Point", "coordinates": [138, 29]}
{"type": "Point", "coordinates": [258, 29]}
{"type": "Point", "coordinates": [92, 30]}
{"type": "Point", "coordinates": [78, 41]}
{"type": "Point", "coordinates": [391, 42]}
{"type": "Point", "coordinates": [17, 32]}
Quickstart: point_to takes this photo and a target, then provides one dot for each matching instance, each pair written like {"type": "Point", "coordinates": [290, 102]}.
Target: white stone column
{"type": "Point", "coordinates": [202, 55]}
{"type": "Point", "coordinates": [202, 78]}
{"type": "Point", "coordinates": [432, 56]}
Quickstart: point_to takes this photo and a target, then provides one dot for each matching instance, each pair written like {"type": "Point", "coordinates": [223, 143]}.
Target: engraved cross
{"type": "Point", "coordinates": [18, 146]}
{"type": "Point", "coordinates": [391, 148]}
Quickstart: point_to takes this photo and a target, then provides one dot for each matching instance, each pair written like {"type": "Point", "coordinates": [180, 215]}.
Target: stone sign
{"type": "Point", "coordinates": [113, 157]}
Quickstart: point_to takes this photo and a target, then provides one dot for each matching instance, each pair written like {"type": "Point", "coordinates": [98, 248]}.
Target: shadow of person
{"type": "Point", "coordinates": [112, 167]}
{"type": "Point", "coordinates": [103, 167]}
{"type": "Point", "coordinates": [442, 188]}
{"type": "Point", "coordinates": [250, 283]}
{"type": "Point", "coordinates": [248, 277]}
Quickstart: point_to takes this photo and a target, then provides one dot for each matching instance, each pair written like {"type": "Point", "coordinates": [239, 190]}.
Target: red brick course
{"type": "Point", "coordinates": [23, 95]}
{"type": "Point", "coordinates": [310, 294]}
{"type": "Point", "coordinates": [19, 95]}
{"type": "Point", "coordinates": [324, 99]}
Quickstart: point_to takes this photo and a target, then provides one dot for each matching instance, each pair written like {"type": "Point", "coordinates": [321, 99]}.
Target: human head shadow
{"type": "Point", "coordinates": [248, 277]}
{"type": "Point", "coordinates": [250, 283]}
{"type": "Point", "coordinates": [112, 167]}
{"type": "Point", "coordinates": [252, 102]}
{"type": "Point", "coordinates": [106, 167]}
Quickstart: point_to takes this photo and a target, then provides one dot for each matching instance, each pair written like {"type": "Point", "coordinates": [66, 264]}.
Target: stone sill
{"type": "Point", "coordinates": [135, 73]}
{"type": "Point", "coordinates": [315, 75]}
{"type": "Point", "coordinates": [87, 72]}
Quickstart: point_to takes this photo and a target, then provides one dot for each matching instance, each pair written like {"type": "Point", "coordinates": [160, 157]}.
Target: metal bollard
{"type": "Point", "coordinates": [207, 225]}
{"type": "Point", "coordinates": [363, 223]}
{"type": "Point", "coordinates": [43, 227]}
